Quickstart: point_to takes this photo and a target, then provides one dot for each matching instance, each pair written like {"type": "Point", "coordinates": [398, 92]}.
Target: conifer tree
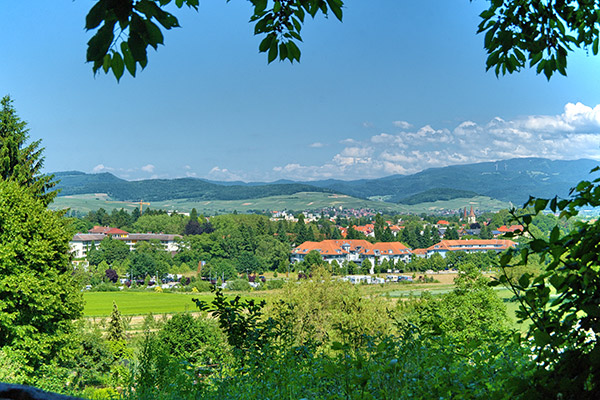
{"type": "Point", "coordinates": [19, 162]}
{"type": "Point", "coordinates": [116, 330]}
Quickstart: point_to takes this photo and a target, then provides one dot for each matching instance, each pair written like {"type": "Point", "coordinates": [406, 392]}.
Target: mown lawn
{"type": "Point", "coordinates": [99, 304]}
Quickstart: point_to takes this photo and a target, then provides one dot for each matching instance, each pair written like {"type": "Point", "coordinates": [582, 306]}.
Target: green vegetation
{"type": "Point", "coordinates": [38, 295]}
{"type": "Point", "coordinates": [156, 190]}
{"type": "Point", "coordinates": [298, 201]}
{"type": "Point", "coordinates": [20, 162]}
{"type": "Point", "coordinates": [564, 326]}
{"type": "Point", "coordinates": [99, 304]}
{"type": "Point", "coordinates": [437, 194]}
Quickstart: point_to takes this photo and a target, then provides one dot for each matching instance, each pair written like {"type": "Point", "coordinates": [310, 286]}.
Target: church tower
{"type": "Point", "coordinates": [472, 219]}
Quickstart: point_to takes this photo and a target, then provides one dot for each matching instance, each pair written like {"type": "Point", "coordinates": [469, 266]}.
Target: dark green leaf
{"type": "Point", "coordinates": [117, 65]}
{"type": "Point", "coordinates": [128, 59]}
{"type": "Point", "coordinates": [266, 43]}
{"type": "Point", "coordinates": [272, 52]}
{"type": "Point", "coordinates": [137, 47]}
{"type": "Point", "coordinates": [155, 36]}
{"type": "Point", "coordinates": [99, 44]}
{"type": "Point", "coordinates": [96, 15]}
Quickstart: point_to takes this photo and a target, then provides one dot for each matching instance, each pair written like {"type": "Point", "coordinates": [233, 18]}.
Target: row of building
{"type": "Point", "coordinates": [82, 242]}
{"type": "Point", "coordinates": [360, 250]}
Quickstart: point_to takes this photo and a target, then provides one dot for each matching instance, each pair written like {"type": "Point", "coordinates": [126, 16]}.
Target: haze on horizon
{"type": "Point", "coordinates": [394, 89]}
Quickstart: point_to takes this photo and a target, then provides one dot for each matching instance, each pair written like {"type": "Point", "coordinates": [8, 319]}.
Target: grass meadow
{"type": "Point", "coordinates": [100, 304]}
{"type": "Point", "coordinates": [132, 303]}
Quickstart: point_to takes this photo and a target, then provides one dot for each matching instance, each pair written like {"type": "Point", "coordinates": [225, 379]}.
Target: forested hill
{"type": "Point", "coordinates": [75, 182]}
{"type": "Point", "coordinates": [509, 180]}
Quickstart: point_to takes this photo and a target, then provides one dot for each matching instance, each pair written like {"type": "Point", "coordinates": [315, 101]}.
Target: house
{"type": "Point", "coordinates": [507, 229]}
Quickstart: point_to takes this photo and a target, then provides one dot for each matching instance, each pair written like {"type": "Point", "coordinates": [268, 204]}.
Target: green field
{"type": "Point", "coordinates": [296, 202]}
{"type": "Point", "coordinates": [100, 304]}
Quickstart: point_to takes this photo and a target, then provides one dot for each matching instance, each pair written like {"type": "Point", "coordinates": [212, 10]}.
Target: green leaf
{"type": "Point", "coordinates": [272, 52]}
{"type": "Point", "coordinates": [524, 280]}
{"type": "Point", "coordinates": [538, 245]}
{"type": "Point", "coordinates": [541, 338]}
{"type": "Point", "coordinates": [96, 15]}
{"type": "Point", "coordinates": [555, 234]}
{"type": "Point", "coordinates": [336, 8]}
{"type": "Point", "coordinates": [137, 46]}
{"type": "Point", "coordinates": [283, 52]}
{"type": "Point", "coordinates": [128, 59]}
{"type": "Point", "coordinates": [99, 44]}
{"type": "Point", "coordinates": [155, 36]}
{"type": "Point", "coordinates": [595, 47]}
{"type": "Point", "coordinates": [535, 58]}
{"type": "Point", "coordinates": [117, 65]}
{"type": "Point", "coordinates": [106, 63]}
{"type": "Point", "coordinates": [293, 51]}
{"type": "Point", "coordinates": [266, 43]}
{"type": "Point", "coordinates": [259, 5]}
{"type": "Point", "coordinates": [540, 205]}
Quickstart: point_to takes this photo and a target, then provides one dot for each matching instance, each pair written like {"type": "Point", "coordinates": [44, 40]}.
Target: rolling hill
{"type": "Point", "coordinates": [511, 180]}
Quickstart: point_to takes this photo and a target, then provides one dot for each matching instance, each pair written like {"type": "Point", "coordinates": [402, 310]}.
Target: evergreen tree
{"type": "Point", "coordinates": [451, 234]}
{"type": "Point", "coordinates": [336, 234]}
{"type": "Point", "coordinates": [19, 162]}
{"type": "Point", "coordinates": [354, 234]}
{"type": "Point", "coordinates": [135, 214]}
{"type": "Point", "coordinates": [116, 329]}
{"type": "Point", "coordinates": [282, 235]}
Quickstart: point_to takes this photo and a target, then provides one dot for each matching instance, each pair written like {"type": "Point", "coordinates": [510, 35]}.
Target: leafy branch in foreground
{"type": "Point", "coordinates": [537, 32]}
{"type": "Point", "coordinates": [125, 29]}
{"type": "Point", "coordinates": [564, 301]}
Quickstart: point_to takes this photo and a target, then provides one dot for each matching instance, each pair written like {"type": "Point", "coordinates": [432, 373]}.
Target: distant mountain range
{"type": "Point", "coordinates": [509, 180]}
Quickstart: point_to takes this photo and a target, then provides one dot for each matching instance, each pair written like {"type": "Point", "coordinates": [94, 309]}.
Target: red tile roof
{"type": "Point", "coordinates": [472, 244]}
{"type": "Point", "coordinates": [331, 247]}
{"type": "Point", "coordinates": [512, 228]}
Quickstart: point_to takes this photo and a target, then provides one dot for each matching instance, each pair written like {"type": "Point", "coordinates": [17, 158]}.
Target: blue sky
{"type": "Point", "coordinates": [397, 87]}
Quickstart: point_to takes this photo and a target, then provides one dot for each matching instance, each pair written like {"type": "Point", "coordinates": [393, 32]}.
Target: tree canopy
{"type": "Point", "coordinates": [21, 162]}
{"type": "Point", "coordinates": [516, 32]}
{"type": "Point", "coordinates": [38, 296]}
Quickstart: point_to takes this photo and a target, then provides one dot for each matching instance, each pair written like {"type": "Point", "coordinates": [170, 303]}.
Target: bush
{"type": "Point", "coordinates": [104, 287]}
{"type": "Point", "coordinates": [241, 285]}
{"type": "Point", "coordinates": [203, 286]}
{"type": "Point", "coordinates": [272, 284]}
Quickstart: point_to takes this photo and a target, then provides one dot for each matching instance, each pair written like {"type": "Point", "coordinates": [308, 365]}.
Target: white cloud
{"type": "Point", "coordinates": [223, 174]}
{"type": "Point", "coordinates": [576, 118]}
{"type": "Point", "coordinates": [101, 168]}
{"type": "Point", "coordinates": [148, 168]}
{"type": "Point", "coordinates": [316, 145]}
{"type": "Point", "coordinates": [573, 134]}
{"type": "Point", "coordinates": [402, 124]}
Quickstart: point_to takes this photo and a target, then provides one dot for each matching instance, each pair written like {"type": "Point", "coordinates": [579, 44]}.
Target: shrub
{"type": "Point", "coordinates": [241, 285]}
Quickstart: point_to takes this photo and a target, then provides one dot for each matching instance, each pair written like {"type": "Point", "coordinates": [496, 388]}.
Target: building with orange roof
{"type": "Point", "coordinates": [443, 222]}
{"type": "Point", "coordinates": [469, 246]}
{"type": "Point", "coordinates": [352, 250]}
